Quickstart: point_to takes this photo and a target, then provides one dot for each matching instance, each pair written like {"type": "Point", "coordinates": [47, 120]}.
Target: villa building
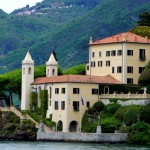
{"type": "Point", "coordinates": [112, 61]}
{"type": "Point", "coordinates": [123, 56]}
{"type": "Point", "coordinates": [68, 95]}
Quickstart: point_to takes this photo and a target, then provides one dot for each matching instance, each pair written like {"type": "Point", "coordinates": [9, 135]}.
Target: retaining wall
{"type": "Point", "coordinates": [128, 102]}
{"type": "Point", "coordinates": [83, 137]}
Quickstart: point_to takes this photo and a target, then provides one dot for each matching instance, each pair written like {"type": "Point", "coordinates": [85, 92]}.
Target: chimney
{"type": "Point", "coordinates": [91, 41]}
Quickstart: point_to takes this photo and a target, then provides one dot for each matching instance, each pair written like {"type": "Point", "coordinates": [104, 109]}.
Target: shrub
{"type": "Point", "coordinates": [109, 124]}
{"type": "Point", "coordinates": [111, 108]}
{"type": "Point", "coordinates": [145, 114]}
{"type": "Point", "coordinates": [99, 106]}
{"type": "Point", "coordinates": [91, 111]}
{"type": "Point", "coordinates": [128, 114]}
{"type": "Point", "coordinates": [140, 133]}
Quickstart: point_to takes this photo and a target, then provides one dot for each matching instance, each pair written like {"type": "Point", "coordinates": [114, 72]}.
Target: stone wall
{"type": "Point", "coordinates": [128, 102]}
{"type": "Point", "coordinates": [83, 137]}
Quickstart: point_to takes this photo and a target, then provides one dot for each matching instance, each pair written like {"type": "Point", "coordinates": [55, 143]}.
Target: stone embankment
{"type": "Point", "coordinates": [83, 137]}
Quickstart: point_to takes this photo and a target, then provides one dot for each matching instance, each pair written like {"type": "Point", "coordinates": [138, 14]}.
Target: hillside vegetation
{"type": "Point", "coordinates": [65, 30]}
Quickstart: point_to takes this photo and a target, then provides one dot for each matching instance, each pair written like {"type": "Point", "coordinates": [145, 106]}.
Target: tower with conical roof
{"type": "Point", "coordinates": [27, 79]}
{"type": "Point", "coordinates": [51, 66]}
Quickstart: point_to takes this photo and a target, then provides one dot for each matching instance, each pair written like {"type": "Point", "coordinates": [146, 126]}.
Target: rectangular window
{"type": "Point", "coordinates": [50, 102]}
{"type": "Point", "coordinates": [129, 80]}
{"type": "Point", "coordinates": [130, 52]}
{"type": "Point", "coordinates": [108, 63]}
{"type": "Point", "coordinates": [113, 53]}
{"type": "Point", "coordinates": [76, 105]}
{"type": "Point", "coordinates": [93, 64]}
{"type": "Point", "coordinates": [141, 69]}
{"type": "Point", "coordinates": [56, 90]}
{"type": "Point", "coordinates": [100, 63]}
{"type": "Point", "coordinates": [142, 54]}
{"type": "Point", "coordinates": [63, 90]}
{"type": "Point", "coordinates": [107, 53]}
{"type": "Point", "coordinates": [87, 67]}
{"type": "Point", "coordinates": [56, 105]}
{"type": "Point", "coordinates": [119, 69]}
{"type": "Point", "coordinates": [94, 91]}
{"type": "Point", "coordinates": [129, 69]}
{"type": "Point", "coordinates": [100, 53]}
{"type": "Point", "coordinates": [113, 69]}
{"type": "Point", "coordinates": [76, 90]}
{"type": "Point", "coordinates": [119, 52]}
{"type": "Point", "coordinates": [62, 105]}
{"type": "Point", "coordinates": [93, 54]}
{"type": "Point", "coordinates": [87, 104]}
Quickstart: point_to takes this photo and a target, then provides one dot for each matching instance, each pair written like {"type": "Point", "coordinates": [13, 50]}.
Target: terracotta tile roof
{"type": "Point", "coordinates": [122, 37]}
{"type": "Point", "coordinates": [77, 79]}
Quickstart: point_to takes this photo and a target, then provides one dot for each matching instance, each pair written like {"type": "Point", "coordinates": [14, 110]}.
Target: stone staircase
{"type": "Point", "coordinates": [23, 116]}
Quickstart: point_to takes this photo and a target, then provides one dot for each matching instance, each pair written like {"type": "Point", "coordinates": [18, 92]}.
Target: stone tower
{"type": "Point", "coordinates": [51, 66]}
{"type": "Point", "coordinates": [27, 79]}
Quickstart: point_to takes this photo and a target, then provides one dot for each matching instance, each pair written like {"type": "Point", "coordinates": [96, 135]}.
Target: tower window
{"type": "Point", "coordinates": [23, 70]}
{"type": "Point", "coordinates": [53, 72]}
{"type": "Point", "coordinates": [29, 70]}
{"type": "Point", "coordinates": [100, 53]}
{"type": "Point", "coordinates": [48, 72]}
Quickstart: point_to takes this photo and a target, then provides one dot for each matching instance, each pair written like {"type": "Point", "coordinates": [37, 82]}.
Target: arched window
{"type": "Point", "coordinates": [29, 71]}
{"type": "Point", "coordinates": [47, 72]}
{"type": "Point", "coordinates": [50, 92]}
{"type": "Point", "coordinates": [53, 72]}
{"type": "Point", "coordinates": [106, 90]}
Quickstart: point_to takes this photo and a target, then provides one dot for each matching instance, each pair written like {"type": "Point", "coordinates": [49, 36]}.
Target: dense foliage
{"type": "Point", "coordinates": [145, 75]}
{"type": "Point", "coordinates": [142, 31]}
{"type": "Point", "coordinates": [65, 30]}
{"type": "Point", "coordinates": [10, 128]}
{"type": "Point", "coordinates": [131, 119]}
{"type": "Point", "coordinates": [144, 19]}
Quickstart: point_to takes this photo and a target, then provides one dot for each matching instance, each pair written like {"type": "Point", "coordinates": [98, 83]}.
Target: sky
{"type": "Point", "coordinates": [9, 5]}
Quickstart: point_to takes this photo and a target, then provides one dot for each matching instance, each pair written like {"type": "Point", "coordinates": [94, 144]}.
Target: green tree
{"type": "Point", "coordinates": [145, 75]}
{"type": "Point", "coordinates": [144, 19]}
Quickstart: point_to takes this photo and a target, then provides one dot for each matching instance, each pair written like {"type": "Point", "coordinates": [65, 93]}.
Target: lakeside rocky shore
{"type": "Point", "coordinates": [12, 129]}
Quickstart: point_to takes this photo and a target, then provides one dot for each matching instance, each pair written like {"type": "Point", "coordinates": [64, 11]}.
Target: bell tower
{"type": "Point", "coordinates": [27, 79]}
{"type": "Point", "coordinates": [51, 66]}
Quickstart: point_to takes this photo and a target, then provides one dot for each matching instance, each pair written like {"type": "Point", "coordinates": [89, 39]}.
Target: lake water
{"type": "Point", "coordinates": [12, 145]}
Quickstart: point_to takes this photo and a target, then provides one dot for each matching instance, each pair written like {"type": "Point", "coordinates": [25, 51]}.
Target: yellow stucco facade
{"type": "Point", "coordinates": [70, 115]}
{"type": "Point", "coordinates": [123, 60]}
